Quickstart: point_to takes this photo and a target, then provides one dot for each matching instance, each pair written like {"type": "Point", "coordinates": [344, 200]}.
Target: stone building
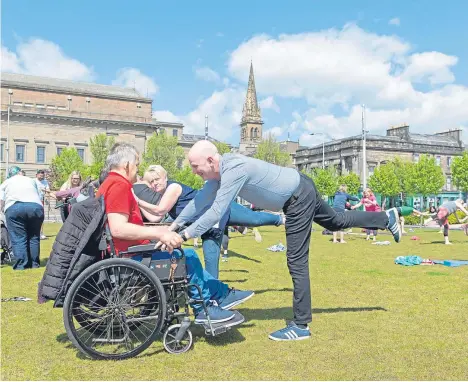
{"type": "Point", "coordinates": [49, 114]}
{"type": "Point", "coordinates": [346, 154]}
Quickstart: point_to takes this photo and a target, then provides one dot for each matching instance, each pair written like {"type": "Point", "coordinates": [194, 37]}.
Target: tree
{"type": "Point", "coordinates": [163, 149]}
{"type": "Point", "coordinates": [270, 151]}
{"type": "Point", "coordinates": [385, 181]}
{"type": "Point", "coordinates": [62, 166]}
{"type": "Point", "coordinates": [222, 147]}
{"type": "Point", "coordinates": [404, 172]}
{"type": "Point", "coordinates": [326, 180]}
{"type": "Point", "coordinates": [426, 177]}
{"type": "Point", "coordinates": [353, 182]}
{"type": "Point", "coordinates": [99, 146]}
{"type": "Point", "coordinates": [460, 171]}
{"type": "Point", "coordinates": [187, 177]}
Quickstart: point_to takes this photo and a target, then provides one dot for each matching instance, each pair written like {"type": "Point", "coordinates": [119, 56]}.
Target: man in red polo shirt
{"type": "Point", "coordinates": [127, 229]}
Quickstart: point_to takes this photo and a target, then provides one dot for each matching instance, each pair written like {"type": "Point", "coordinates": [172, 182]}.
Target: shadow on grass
{"type": "Point", "coordinates": [261, 291]}
{"type": "Point", "coordinates": [235, 254]}
{"type": "Point", "coordinates": [281, 313]}
{"type": "Point", "coordinates": [234, 270]}
{"type": "Point", "coordinates": [235, 281]}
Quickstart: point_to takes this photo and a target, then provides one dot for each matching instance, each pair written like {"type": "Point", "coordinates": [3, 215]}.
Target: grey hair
{"type": "Point", "coordinates": [120, 154]}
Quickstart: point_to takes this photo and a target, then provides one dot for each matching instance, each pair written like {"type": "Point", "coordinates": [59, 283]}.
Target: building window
{"type": "Point", "coordinates": [40, 154]}
{"type": "Point", "coordinates": [138, 105]}
{"type": "Point", "coordinates": [449, 162]}
{"type": "Point", "coordinates": [17, 103]}
{"type": "Point", "coordinates": [1, 151]}
{"type": "Point", "coordinates": [371, 170]}
{"type": "Point", "coordinates": [416, 158]}
{"type": "Point", "coordinates": [59, 150]}
{"type": "Point", "coordinates": [40, 106]}
{"type": "Point", "coordinates": [62, 108]}
{"type": "Point", "coordinates": [20, 153]}
{"type": "Point", "coordinates": [437, 160]}
{"type": "Point", "coordinates": [81, 153]}
{"type": "Point", "coordinates": [28, 104]}
{"type": "Point", "coordinates": [448, 185]}
{"type": "Point", "coordinates": [175, 132]}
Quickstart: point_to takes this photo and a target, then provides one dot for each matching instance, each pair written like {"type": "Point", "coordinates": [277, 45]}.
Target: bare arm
{"type": "Point", "coordinates": [168, 200]}
{"type": "Point", "coordinates": [151, 217]}
{"type": "Point", "coordinates": [121, 229]}
{"type": "Point", "coordinates": [356, 206]}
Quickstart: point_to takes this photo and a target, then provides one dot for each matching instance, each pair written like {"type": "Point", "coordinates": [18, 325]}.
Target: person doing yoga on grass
{"type": "Point", "coordinates": [174, 198]}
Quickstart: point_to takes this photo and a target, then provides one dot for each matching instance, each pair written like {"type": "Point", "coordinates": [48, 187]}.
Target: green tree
{"type": "Point", "coordinates": [460, 172]}
{"type": "Point", "coordinates": [187, 177]}
{"type": "Point", "coordinates": [222, 147]}
{"type": "Point", "coordinates": [426, 177]}
{"type": "Point", "coordinates": [404, 172]}
{"type": "Point", "coordinates": [99, 146]}
{"type": "Point", "coordinates": [326, 180]}
{"type": "Point", "coordinates": [164, 150]}
{"type": "Point", "coordinates": [353, 182]}
{"type": "Point", "coordinates": [62, 165]}
{"type": "Point", "coordinates": [385, 181]}
{"type": "Point", "coordinates": [270, 151]}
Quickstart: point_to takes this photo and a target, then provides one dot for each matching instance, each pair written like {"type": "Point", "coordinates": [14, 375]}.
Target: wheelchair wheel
{"type": "Point", "coordinates": [115, 309]}
{"type": "Point", "coordinates": [177, 347]}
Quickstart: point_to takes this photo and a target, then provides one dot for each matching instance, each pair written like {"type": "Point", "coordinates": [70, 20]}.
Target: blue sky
{"type": "Point", "coordinates": [315, 62]}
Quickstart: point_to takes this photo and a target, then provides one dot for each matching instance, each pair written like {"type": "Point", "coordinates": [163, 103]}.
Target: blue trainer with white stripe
{"type": "Point", "coordinates": [292, 332]}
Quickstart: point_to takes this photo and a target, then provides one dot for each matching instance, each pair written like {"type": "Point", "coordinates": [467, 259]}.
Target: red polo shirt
{"type": "Point", "coordinates": [118, 198]}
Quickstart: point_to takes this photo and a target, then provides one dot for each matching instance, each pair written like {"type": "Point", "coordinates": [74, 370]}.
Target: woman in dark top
{"type": "Point", "coordinates": [175, 196]}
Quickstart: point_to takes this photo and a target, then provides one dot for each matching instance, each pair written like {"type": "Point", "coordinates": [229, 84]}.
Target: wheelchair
{"type": "Point", "coordinates": [117, 307]}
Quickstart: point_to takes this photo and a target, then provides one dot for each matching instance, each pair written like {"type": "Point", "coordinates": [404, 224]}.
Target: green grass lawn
{"type": "Point", "coordinates": [373, 320]}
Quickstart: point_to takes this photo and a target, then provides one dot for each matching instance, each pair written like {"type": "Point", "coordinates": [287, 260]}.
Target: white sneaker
{"type": "Point", "coordinates": [258, 237]}
{"type": "Point", "coordinates": [43, 237]}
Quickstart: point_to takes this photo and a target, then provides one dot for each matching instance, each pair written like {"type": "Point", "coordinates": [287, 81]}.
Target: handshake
{"type": "Point", "coordinates": [171, 238]}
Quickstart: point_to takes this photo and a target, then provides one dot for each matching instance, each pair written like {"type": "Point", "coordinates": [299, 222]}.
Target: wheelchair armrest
{"type": "Point", "coordinates": [141, 248]}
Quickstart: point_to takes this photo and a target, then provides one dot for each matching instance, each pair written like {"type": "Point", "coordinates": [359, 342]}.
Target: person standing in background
{"type": "Point", "coordinates": [43, 188]}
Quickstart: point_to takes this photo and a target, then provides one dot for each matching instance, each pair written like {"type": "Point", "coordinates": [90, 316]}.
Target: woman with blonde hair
{"type": "Point", "coordinates": [74, 180]}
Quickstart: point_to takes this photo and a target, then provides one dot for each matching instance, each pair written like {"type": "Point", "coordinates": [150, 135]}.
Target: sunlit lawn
{"type": "Point", "coordinates": [372, 319]}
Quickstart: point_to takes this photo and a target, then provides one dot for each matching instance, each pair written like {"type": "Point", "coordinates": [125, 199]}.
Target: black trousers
{"type": "Point", "coordinates": [304, 207]}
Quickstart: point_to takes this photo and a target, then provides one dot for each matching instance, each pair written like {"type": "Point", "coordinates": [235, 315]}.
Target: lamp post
{"type": "Point", "coordinates": [10, 93]}
{"type": "Point", "coordinates": [323, 148]}
{"type": "Point", "coordinates": [364, 156]}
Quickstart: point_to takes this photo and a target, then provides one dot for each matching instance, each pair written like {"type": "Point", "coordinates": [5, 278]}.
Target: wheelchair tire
{"type": "Point", "coordinates": [130, 304]}
{"type": "Point", "coordinates": [179, 347]}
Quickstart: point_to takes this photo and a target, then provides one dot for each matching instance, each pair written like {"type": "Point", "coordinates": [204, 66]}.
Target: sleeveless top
{"type": "Point", "coordinates": [188, 193]}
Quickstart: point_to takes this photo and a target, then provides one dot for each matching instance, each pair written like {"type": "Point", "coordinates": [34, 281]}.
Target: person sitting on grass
{"type": "Point", "coordinates": [126, 226]}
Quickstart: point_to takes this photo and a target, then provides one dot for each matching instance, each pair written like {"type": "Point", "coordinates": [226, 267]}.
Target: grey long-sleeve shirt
{"type": "Point", "coordinates": [265, 185]}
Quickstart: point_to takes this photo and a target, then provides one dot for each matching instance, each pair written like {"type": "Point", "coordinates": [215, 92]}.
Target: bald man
{"type": "Point", "coordinates": [272, 188]}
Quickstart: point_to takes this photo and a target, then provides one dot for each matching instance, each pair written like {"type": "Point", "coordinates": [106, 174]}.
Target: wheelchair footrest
{"type": "Point", "coordinates": [223, 327]}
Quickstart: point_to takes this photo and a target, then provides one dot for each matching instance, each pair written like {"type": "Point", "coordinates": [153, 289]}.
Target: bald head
{"type": "Point", "coordinates": [204, 159]}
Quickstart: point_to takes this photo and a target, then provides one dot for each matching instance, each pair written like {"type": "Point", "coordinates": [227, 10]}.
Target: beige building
{"type": "Point", "coordinates": [346, 154]}
{"type": "Point", "coordinates": [47, 114]}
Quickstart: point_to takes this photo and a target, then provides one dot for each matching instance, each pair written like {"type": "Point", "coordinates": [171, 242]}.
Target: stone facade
{"type": "Point", "coordinates": [48, 114]}
{"type": "Point", "coordinates": [251, 123]}
{"type": "Point", "coordinates": [346, 154]}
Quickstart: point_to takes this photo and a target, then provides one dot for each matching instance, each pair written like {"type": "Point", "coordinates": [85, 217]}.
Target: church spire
{"type": "Point", "coordinates": [251, 111]}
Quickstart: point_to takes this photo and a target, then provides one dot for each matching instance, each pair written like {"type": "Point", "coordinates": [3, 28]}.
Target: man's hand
{"type": "Point", "coordinates": [169, 241]}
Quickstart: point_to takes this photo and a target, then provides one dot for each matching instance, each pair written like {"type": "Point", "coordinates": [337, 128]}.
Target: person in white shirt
{"type": "Point", "coordinates": [24, 215]}
{"type": "Point", "coordinates": [44, 189]}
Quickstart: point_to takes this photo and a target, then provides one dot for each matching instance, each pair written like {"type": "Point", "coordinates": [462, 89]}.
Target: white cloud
{"type": "Point", "coordinates": [433, 66]}
{"type": "Point", "coordinates": [44, 58]}
{"type": "Point", "coordinates": [207, 74]}
{"type": "Point", "coordinates": [166, 116]}
{"type": "Point", "coordinates": [224, 110]}
{"type": "Point", "coordinates": [395, 21]}
{"type": "Point", "coordinates": [269, 103]}
{"type": "Point", "coordinates": [135, 79]}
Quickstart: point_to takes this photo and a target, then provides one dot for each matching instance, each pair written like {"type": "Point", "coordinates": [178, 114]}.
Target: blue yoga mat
{"type": "Point", "coordinates": [451, 263]}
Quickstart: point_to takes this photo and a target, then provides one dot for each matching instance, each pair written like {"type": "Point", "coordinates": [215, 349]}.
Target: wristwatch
{"type": "Point", "coordinates": [184, 236]}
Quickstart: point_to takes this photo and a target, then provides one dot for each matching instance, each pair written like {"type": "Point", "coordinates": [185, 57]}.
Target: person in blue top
{"type": "Point", "coordinates": [174, 198]}
{"type": "Point", "coordinates": [341, 199]}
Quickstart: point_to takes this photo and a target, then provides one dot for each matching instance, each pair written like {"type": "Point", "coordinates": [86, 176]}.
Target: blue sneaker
{"type": "Point", "coordinates": [234, 298]}
{"type": "Point", "coordinates": [290, 333]}
{"type": "Point", "coordinates": [394, 224]}
{"type": "Point", "coordinates": [216, 315]}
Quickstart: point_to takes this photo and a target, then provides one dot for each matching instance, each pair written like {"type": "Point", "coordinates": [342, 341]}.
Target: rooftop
{"type": "Point", "coordinates": [24, 81]}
